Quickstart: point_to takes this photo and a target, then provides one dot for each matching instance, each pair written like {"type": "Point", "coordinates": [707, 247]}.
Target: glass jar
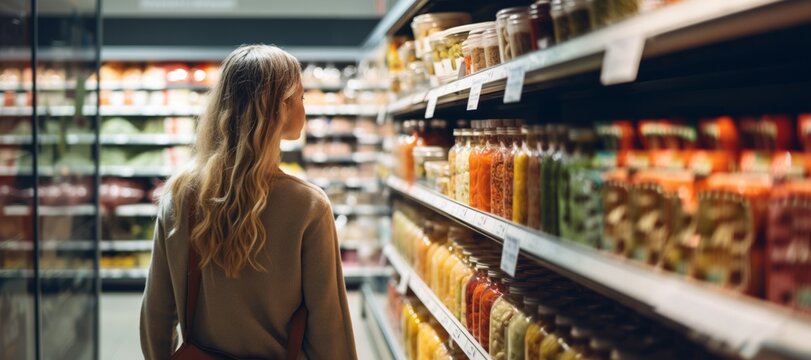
{"type": "Point", "coordinates": [477, 56]}
{"type": "Point", "coordinates": [788, 277]}
{"type": "Point", "coordinates": [543, 28]}
{"type": "Point", "coordinates": [494, 290]}
{"type": "Point", "coordinates": [580, 17]}
{"type": "Point", "coordinates": [580, 213]}
{"type": "Point", "coordinates": [554, 344]}
{"type": "Point", "coordinates": [513, 139]}
{"type": "Point", "coordinates": [425, 25]}
{"type": "Point", "coordinates": [423, 154]}
{"type": "Point", "coordinates": [517, 329]}
{"type": "Point", "coordinates": [502, 16]}
{"type": "Point", "coordinates": [560, 20]}
{"type": "Point", "coordinates": [497, 172]}
{"type": "Point", "coordinates": [492, 56]}
{"type": "Point", "coordinates": [461, 275]}
{"type": "Point", "coordinates": [463, 168]}
{"type": "Point", "coordinates": [467, 53]}
{"type": "Point", "coordinates": [478, 278]}
{"type": "Point", "coordinates": [535, 156]}
{"type": "Point", "coordinates": [503, 311]}
{"type": "Point", "coordinates": [520, 33]}
{"type": "Point", "coordinates": [484, 166]}
{"type": "Point", "coordinates": [478, 142]}
{"type": "Point", "coordinates": [623, 8]}
{"type": "Point", "coordinates": [540, 328]}
{"type": "Point", "coordinates": [519, 198]}
{"type": "Point", "coordinates": [452, 156]}
{"type": "Point", "coordinates": [550, 179]}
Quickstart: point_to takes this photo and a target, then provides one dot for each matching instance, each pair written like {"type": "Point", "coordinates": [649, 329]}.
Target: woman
{"type": "Point", "coordinates": [265, 240]}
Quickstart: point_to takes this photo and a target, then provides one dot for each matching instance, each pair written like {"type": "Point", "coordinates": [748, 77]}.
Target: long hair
{"type": "Point", "coordinates": [235, 155]}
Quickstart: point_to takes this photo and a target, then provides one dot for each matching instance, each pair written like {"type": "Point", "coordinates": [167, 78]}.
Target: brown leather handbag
{"type": "Point", "coordinates": [191, 351]}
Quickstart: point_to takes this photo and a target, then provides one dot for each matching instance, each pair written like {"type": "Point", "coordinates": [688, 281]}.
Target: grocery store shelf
{"type": "Point", "coordinates": [360, 210]}
{"type": "Point", "coordinates": [396, 17]}
{"type": "Point", "coordinates": [134, 210]}
{"type": "Point", "coordinates": [685, 25]}
{"type": "Point", "coordinates": [361, 137]}
{"type": "Point", "coordinates": [458, 333]}
{"type": "Point", "coordinates": [145, 139]}
{"type": "Point", "coordinates": [356, 274]}
{"type": "Point", "coordinates": [130, 171]}
{"type": "Point", "coordinates": [375, 315]}
{"type": "Point", "coordinates": [358, 244]}
{"type": "Point", "coordinates": [354, 158]}
{"type": "Point", "coordinates": [133, 274]}
{"type": "Point", "coordinates": [743, 324]}
{"type": "Point", "coordinates": [218, 53]}
{"type": "Point", "coordinates": [126, 245]}
{"type": "Point", "coordinates": [48, 245]}
{"type": "Point", "coordinates": [66, 274]}
{"type": "Point", "coordinates": [69, 210]}
{"type": "Point", "coordinates": [353, 183]}
{"type": "Point", "coordinates": [341, 110]}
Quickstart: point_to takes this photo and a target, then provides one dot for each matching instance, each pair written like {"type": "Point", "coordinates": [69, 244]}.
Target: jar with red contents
{"type": "Point", "coordinates": [480, 277]}
{"type": "Point", "coordinates": [475, 302]}
{"type": "Point", "coordinates": [541, 24]}
{"type": "Point", "coordinates": [494, 290]}
{"type": "Point", "coordinates": [788, 266]}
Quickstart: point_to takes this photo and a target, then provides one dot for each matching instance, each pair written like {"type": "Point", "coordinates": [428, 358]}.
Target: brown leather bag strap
{"type": "Point", "coordinates": [192, 278]}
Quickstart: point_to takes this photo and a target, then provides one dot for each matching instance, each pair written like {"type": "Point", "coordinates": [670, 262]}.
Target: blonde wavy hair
{"type": "Point", "coordinates": [236, 153]}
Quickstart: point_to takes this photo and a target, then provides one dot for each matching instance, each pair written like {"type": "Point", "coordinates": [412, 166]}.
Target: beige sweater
{"type": "Point", "coordinates": [249, 316]}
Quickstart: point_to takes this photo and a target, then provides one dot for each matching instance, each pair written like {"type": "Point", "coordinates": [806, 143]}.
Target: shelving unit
{"type": "Point", "coordinates": [746, 325]}
{"type": "Point", "coordinates": [457, 332]}
{"type": "Point", "coordinates": [374, 314]}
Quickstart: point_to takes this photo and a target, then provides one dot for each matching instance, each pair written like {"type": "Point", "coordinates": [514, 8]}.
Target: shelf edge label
{"type": "Point", "coordinates": [509, 252]}
{"type": "Point", "coordinates": [431, 106]}
{"type": "Point", "coordinates": [475, 94]}
{"type": "Point", "coordinates": [515, 84]}
{"type": "Point", "coordinates": [621, 61]}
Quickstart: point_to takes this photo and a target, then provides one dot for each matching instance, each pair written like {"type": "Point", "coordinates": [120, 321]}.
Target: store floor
{"type": "Point", "coordinates": [119, 326]}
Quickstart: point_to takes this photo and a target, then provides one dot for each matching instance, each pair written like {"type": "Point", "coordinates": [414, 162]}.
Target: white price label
{"type": "Point", "coordinates": [402, 287]}
{"type": "Point", "coordinates": [509, 253]}
{"type": "Point", "coordinates": [475, 93]}
{"type": "Point", "coordinates": [381, 116]}
{"type": "Point", "coordinates": [431, 106]}
{"type": "Point", "coordinates": [470, 349]}
{"type": "Point", "coordinates": [621, 62]}
{"type": "Point", "coordinates": [515, 84]}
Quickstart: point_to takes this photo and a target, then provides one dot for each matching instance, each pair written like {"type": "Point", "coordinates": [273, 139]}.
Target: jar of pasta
{"type": "Point", "coordinates": [505, 48]}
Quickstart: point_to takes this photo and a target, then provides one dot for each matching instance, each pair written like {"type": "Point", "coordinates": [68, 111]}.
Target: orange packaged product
{"type": "Point", "coordinates": [497, 172]}
{"type": "Point", "coordinates": [479, 141]}
{"type": "Point", "coordinates": [788, 264]}
{"type": "Point", "coordinates": [484, 165]}
{"type": "Point", "coordinates": [731, 222]}
{"type": "Point", "coordinates": [719, 133]}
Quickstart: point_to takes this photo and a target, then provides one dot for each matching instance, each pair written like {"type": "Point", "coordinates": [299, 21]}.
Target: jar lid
{"type": "Point", "coordinates": [431, 17]}
{"type": "Point", "coordinates": [482, 26]}
{"type": "Point", "coordinates": [509, 11]}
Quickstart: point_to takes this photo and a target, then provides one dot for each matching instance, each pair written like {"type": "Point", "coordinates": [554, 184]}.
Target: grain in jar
{"type": "Point", "coordinates": [520, 33]}
{"type": "Point", "coordinates": [540, 20]}
{"type": "Point", "coordinates": [454, 40]}
{"type": "Point", "coordinates": [519, 196]}
{"type": "Point", "coordinates": [502, 16]}
{"type": "Point", "coordinates": [478, 62]}
{"type": "Point", "coordinates": [492, 56]}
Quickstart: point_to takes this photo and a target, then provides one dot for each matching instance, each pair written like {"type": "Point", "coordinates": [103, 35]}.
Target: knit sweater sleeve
{"type": "Point", "coordinates": [329, 327]}
{"type": "Point", "coordinates": [158, 311]}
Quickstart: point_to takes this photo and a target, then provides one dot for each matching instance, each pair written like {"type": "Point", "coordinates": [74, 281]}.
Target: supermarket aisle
{"type": "Point", "coordinates": [119, 326]}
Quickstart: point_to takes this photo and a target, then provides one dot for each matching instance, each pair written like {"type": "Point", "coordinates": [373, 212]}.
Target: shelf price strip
{"type": "Point", "coordinates": [461, 336]}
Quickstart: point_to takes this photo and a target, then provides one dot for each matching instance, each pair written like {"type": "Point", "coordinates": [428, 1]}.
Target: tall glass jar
{"type": "Point", "coordinates": [560, 20]}
{"type": "Point", "coordinates": [495, 289]}
{"type": "Point", "coordinates": [479, 142]}
{"type": "Point", "coordinates": [551, 169]}
{"type": "Point", "coordinates": [497, 173]}
{"type": "Point", "coordinates": [492, 55]}
{"type": "Point", "coordinates": [485, 163]}
{"type": "Point", "coordinates": [579, 212]}
{"type": "Point", "coordinates": [541, 327]}
{"type": "Point", "coordinates": [463, 168]}
{"type": "Point", "coordinates": [581, 20]}
{"type": "Point", "coordinates": [479, 277]}
{"type": "Point", "coordinates": [520, 32]}
{"type": "Point", "coordinates": [536, 154]}
{"type": "Point", "coordinates": [452, 158]}
{"type": "Point", "coordinates": [478, 62]}
{"type": "Point", "coordinates": [439, 238]}
{"type": "Point", "coordinates": [519, 198]}
{"type": "Point", "coordinates": [513, 141]}
{"type": "Point", "coordinates": [503, 311]}
{"type": "Point", "coordinates": [543, 27]}
{"type": "Point", "coordinates": [517, 329]}
{"type": "Point", "coordinates": [503, 35]}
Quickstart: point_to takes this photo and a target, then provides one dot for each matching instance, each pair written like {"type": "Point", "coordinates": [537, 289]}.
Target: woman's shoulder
{"type": "Point", "coordinates": [299, 191]}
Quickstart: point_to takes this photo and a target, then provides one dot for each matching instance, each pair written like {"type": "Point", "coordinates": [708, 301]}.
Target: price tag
{"type": "Point", "coordinates": [402, 287]}
{"type": "Point", "coordinates": [470, 349]}
{"type": "Point", "coordinates": [621, 62]}
{"type": "Point", "coordinates": [500, 229]}
{"type": "Point", "coordinates": [381, 116]}
{"type": "Point", "coordinates": [515, 84]}
{"type": "Point", "coordinates": [509, 253]}
{"type": "Point", "coordinates": [431, 106]}
{"type": "Point", "coordinates": [462, 70]}
{"type": "Point", "coordinates": [475, 93]}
